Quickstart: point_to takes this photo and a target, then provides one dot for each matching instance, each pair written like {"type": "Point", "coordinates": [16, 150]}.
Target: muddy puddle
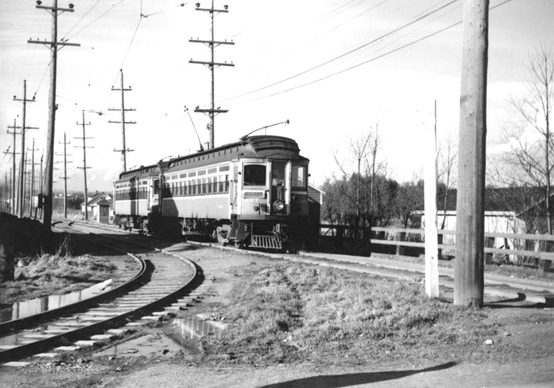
{"type": "Point", "coordinates": [149, 345]}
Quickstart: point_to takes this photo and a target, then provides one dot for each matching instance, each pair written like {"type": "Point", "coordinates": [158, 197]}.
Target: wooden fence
{"type": "Point", "coordinates": [415, 238]}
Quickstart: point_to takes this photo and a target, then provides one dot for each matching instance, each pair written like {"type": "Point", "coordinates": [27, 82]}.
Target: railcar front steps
{"type": "Point", "coordinates": [266, 242]}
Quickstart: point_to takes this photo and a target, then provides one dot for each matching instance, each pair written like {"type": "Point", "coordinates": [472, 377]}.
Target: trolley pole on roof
{"type": "Point", "coordinates": [470, 215]}
{"type": "Point", "coordinates": [124, 148]}
{"type": "Point", "coordinates": [212, 64]}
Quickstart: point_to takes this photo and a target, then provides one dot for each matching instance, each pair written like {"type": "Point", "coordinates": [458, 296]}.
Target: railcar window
{"type": "Point", "coordinates": [299, 177]}
{"type": "Point", "coordinates": [254, 175]}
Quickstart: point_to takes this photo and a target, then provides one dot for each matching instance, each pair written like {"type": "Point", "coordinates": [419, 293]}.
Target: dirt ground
{"type": "Point", "coordinates": [527, 335]}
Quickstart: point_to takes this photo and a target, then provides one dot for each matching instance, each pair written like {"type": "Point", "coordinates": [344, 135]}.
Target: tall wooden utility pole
{"type": "Point", "coordinates": [124, 148]}
{"type": "Point", "coordinates": [65, 177]}
{"type": "Point", "coordinates": [85, 167]}
{"type": "Point", "coordinates": [13, 209]}
{"type": "Point", "coordinates": [32, 190]}
{"type": "Point", "coordinates": [21, 193]}
{"type": "Point", "coordinates": [54, 45]}
{"type": "Point", "coordinates": [470, 220]}
{"type": "Point", "coordinates": [212, 64]}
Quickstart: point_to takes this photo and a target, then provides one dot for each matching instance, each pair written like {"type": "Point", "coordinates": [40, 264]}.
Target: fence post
{"type": "Point", "coordinates": [400, 249]}
{"type": "Point", "coordinates": [488, 255]}
{"type": "Point", "coordinates": [544, 266]}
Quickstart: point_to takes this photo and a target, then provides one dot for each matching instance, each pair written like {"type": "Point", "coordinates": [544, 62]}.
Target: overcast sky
{"type": "Point", "coordinates": [333, 68]}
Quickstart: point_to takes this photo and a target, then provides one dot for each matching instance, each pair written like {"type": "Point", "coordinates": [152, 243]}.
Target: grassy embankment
{"type": "Point", "coordinates": [49, 274]}
{"type": "Point", "coordinates": [286, 313]}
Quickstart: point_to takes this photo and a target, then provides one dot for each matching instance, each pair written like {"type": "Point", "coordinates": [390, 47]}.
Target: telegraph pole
{"type": "Point", "coordinates": [5, 192]}
{"type": "Point", "coordinates": [13, 209]}
{"type": "Point", "coordinates": [124, 148]}
{"type": "Point", "coordinates": [212, 64]}
{"type": "Point", "coordinates": [470, 214]}
{"type": "Point", "coordinates": [85, 167]}
{"type": "Point", "coordinates": [65, 178]}
{"type": "Point", "coordinates": [32, 179]}
{"type": "Point", "coordinates": [21, 195]}
{"type": "Point", "coordinates": [54, 45]}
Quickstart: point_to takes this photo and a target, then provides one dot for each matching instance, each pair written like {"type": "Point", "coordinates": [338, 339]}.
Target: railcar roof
{"type": "Point", "coordinates": [263, 146]}
{"type": "Point", "coordinates": [138, 173]}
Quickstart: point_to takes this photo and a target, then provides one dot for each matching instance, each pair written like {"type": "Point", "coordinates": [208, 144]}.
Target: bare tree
{"type": "Point", "coordinates": [534, 155]}
{"type": "Point", "coordinates": [448, 157]}
{"type": "Point", "coordinates": [364, 150]}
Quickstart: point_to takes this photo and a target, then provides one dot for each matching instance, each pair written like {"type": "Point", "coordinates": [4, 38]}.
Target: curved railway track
{"type": "Point", "coordinates": [158, 283]}
{"type": "Point", "coordinates": [171, 282]}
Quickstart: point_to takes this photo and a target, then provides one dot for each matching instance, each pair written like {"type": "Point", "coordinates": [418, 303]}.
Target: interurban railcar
{"type": "Point", "coordinates": [250, 193]}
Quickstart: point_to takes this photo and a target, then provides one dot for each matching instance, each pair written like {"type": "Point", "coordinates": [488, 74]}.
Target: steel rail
{"type": "Point", "coordinates": [137, 283]}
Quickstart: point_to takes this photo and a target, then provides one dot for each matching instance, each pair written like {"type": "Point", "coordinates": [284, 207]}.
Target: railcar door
{"type": "Point", "coordinates": [154, 196]}
{"type": "Point", "coordinates": [233, 190]}
{"type": "Point", "coordinates": [278, 198]}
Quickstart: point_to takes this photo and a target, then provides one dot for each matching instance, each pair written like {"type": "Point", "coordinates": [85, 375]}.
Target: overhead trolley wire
{"type": "Point", "coordinates": [321, 35]}
{"type": "Point", "coordinates": [82, 17]}
{"type": "Point", "coordinates": [163, 10]}
{"type": "Point", "coordinates": [42, 78]}
{"type": "Point", "coordinates": [92, 22]}
{"type": "Point", "coordinates": [347, 53]}
{"type": "Point", "coordinates": [338, 11]}
{"type": "Point", "coordinates": [387, 44]}
{"type": "Point", "coordinates": [370, 60]}
{"type": "Point", "coordinates": [142, 16]}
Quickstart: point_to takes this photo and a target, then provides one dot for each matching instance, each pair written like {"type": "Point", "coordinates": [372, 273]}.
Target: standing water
{"type": "Point", "coordinates": [30, 307]}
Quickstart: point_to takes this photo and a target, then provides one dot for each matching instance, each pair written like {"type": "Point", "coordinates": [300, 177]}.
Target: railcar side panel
{"type": "Point", "coordinates": [205, 207]}
{"type": "Point", "coordinates": [131, 207]}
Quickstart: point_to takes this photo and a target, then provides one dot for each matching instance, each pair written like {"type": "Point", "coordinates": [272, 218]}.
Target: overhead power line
{"type": "Point", "coordinates": [346, 53]}
{"type": "Point", "coordinates": [92, 22]}
{"type": "Point", "coordinates": [356, 65]}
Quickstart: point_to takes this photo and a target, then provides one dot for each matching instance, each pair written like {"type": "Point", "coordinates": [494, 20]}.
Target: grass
{"type": "Point", "coordinates": [504, 269]}
{"type": "Point", "coordinates": [72, 214]}
{"type": "Point", "coordinates": [289, 312]}
{"type": "Point", "coordinates": [60, 273]}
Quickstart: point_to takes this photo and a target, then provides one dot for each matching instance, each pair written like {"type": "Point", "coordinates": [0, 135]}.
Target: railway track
{"type": "Point", "coordinates": [159, 283]}
{"type": "Point", "coordinates": [156, 294]}
{"type": "Point", "coordinates": [496, 286]}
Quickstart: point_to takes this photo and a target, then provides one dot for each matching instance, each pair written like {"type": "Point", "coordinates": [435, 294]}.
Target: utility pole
{"type": "Point", "coordinates": [53, 44]}
{"type": "Point", "coordinates": [32, 192]}
{"type": "Point", "coordinates": [124, 148]}
{"type": "Point", "coordinates": [5, 192]}
{"type": "Point", "coordinates": [41, 180]}
{"type": "Point", "coordinates": [65, 177]}
{"type": "Point", "coordinates": [212, 64]}
{"type": "Point", "coordinates": [13, 209]}
{"type": "Point", "coordinates": [470, 214]}
{"type": "Point", "coordinates": [21, 195]}
{"type": "Point", "coordinates": [85, 167]}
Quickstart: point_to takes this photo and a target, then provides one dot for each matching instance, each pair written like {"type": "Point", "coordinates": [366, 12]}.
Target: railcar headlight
{"type": "Point", "coordinates": [278, 205]}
